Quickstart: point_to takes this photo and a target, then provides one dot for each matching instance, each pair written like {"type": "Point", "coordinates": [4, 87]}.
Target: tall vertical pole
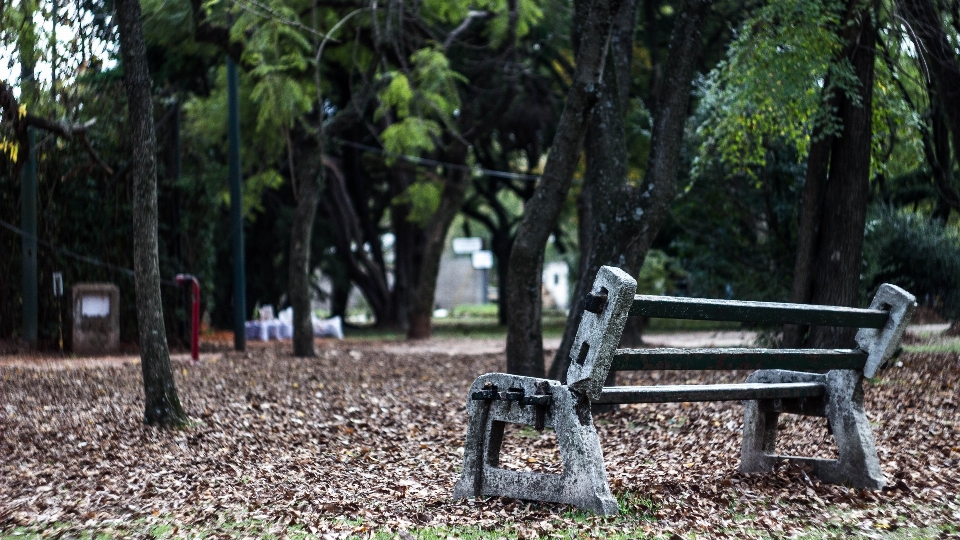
{"type": "Point", "coordinates": [236, 210]}
{"type": "Point", "coordinates": [28, 222]}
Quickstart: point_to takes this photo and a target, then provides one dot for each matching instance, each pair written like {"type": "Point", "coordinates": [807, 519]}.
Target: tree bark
{"type": "Point", "coordinates": [162, 404]}
{"type": "Point", "coordinates": [811, 208]}
{"type": "Point", "coordinates": [434, 240]}
{"type": "Point", "coordinates": [943, 85]}
{"type": "Point", "coordinates": [524, 335]}
{"type": "Point", "coordinates": [301, 233]}
{"type": "Point", "coordinates": [939, 56]}
{"type": "Point", "coordinates": [624, 220]}
{"type": "Point", "coordinates": [839, 252]}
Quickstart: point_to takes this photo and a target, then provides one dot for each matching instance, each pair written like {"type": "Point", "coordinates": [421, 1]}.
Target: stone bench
{"type": "Point", "coordinates": [812, 382]}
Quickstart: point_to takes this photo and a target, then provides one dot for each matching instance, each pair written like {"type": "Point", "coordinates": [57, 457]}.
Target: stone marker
{"type": "Point", "coordinates": [94, 318]}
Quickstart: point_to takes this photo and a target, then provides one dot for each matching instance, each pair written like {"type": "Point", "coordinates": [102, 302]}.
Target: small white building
{"type": "Point", "coordinates": [556, 285]}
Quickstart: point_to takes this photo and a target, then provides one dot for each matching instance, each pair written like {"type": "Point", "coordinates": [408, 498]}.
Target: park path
{"type": "Point", "coordinates": [441, 345]}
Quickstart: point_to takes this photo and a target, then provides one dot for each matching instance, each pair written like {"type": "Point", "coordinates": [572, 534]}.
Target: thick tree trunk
{"type": "Point", "coordinates": [408, 250]}
{"type": "Point", "coordinates": [524, 335]}
{"type": "Point", "coordinates": [308, 195]}
{"type": "Point", "coordinates": [811, 207]}
{"type": "Point", "coordinates": [162, 404]}
{"type": "Point", "coordinates": [434, 236]}
{"type": "Point", "coordinates": [839, 251]}
{"type": "Point", "coordinates": [625, 220]}
{"type": "Point", "coordinates": [602, 239]}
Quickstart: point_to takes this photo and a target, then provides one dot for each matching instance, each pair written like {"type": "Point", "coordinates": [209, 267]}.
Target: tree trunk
{"type": "Point", "coordinates": [940, 58]}
{"type": "Point", "coordinates": [162, 405]}
{"type": "Point", "coordinates": [435, 236]}
{"type": "Point", "coordinates": [625, 220]}
{"type": "Point", "coordinates": [524, 335]}
{"type": "Point", "coordinates": [942, 67]}
{"type": "Point", "coordinates": [605, 180]}
{"type": "Point", "coordinates": [811, 207]}
{"type": "Point", "coordinates": [308, 195]}
{"type": "Point", "coordinates": [839, 251]}
{"type": "Point", "coordinates": [408, 249]}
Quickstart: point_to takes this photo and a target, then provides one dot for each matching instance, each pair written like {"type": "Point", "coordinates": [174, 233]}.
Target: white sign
{"type": "Point", "coordinates": [482, 260]}
{"type": "Point", "coordinates": [95, 306]}
{"type": "Point", "coordinates": [462, 246]}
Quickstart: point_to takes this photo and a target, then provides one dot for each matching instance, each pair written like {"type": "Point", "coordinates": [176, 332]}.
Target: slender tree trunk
{"type": "Point", "coordinates": [839, 252]}
{"type": "Point", "coordinates": [524, 335]}
{"type": "Point", "coordinates": [301, 233]}
{"type": "Point", "coordinates": [942, 66]}
{"type": "Point", "coordinates": [625, 220]}
{"type": "Point", "coordinates": [435, 235]}
{"type": "Point", "coordinates": [940, 57]}
{"type": "Point", "coordinates": [162, 405]}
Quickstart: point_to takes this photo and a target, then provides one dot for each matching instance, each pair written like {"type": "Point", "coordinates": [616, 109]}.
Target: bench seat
{"type": "Point", "coordinates": [708, 392]}
{"type": "Point", "coordinates": [721, 359]}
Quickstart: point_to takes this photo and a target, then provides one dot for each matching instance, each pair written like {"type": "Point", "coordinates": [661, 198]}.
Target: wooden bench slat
{"type": "Point", "coordinates": [728, 359]}
{"type": "Point", "coordinates": [709, 392]}
{"type": "Point", "coordinates": [673, 307]}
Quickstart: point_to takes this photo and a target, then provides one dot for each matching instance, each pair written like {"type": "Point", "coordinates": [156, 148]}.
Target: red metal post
{"type": "Point", "coordinates": [195, 314]}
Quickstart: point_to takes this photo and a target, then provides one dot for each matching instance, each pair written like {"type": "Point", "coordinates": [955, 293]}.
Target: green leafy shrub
{"type": "Point", "coordinates": [914, 252]}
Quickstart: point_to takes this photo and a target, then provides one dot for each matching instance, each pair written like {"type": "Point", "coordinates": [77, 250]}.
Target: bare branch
{"type": "Point", "coordinates": [471, 16]}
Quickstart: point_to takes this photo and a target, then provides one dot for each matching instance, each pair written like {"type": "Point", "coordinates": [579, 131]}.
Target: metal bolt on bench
{"type": "Point", "coordinates": [812, 382]}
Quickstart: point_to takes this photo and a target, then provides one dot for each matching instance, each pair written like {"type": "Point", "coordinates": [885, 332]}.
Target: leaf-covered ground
{"type": "Point", "coordinates": [366, 440]}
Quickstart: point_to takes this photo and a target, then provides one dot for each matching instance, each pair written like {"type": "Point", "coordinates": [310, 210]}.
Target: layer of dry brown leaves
{"type": "Point", "coordinates": [362, 440]}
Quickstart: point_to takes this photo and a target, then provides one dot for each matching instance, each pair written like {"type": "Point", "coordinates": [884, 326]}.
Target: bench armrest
{"type": "Point", "coordinates": [599, 333]}
{"type": "Point", "coordinates": [880, 344]}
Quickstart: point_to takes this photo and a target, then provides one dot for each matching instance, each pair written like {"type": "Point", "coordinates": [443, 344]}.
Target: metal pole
{"type": "Point", "coordinates": [28, 222]}
{"type": "Point", "coordinates": [236, 210]}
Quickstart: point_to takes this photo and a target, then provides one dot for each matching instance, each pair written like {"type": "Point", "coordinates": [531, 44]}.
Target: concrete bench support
{"type": "Point", "coordinates": [583, 482]}
{"type": "Point", "coordinates": [842, 406]}
{"type": "Point", "coordinates": [496, 399]}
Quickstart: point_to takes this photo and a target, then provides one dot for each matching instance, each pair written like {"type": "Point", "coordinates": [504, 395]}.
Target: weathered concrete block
{"type": "Point", "coordinates": [599, 334]}
{"type": "Point", "coordinates": [880, 344]}
{"type": "Point", "coordinates": [93, 318]}
{"type": "Point", "coordinates": [583, 482]}
{"type": "Point", "coordinates": [857, 465]}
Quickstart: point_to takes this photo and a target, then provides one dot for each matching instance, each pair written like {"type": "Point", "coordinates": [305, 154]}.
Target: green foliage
{"type": "Point", "coordinates": [919, 254]}
{"type": "Point", "coordinates": [736, 234]}
{"type": "Point", "coordinates": [659, 273]}
{"type": "Point", "coordinates": [529, 13]}
{"type": "Point", "coordinates": [253, 187]}
{"type": "Point", "coordinates": [279, 54]}
{"type": "Point", "coordinates": [423, 196]}
{"type": "Point", "coordinates": [774, 83]}
{"type": "Point", "coordinates": [411, 135]}
{"type": "Point", "coordinates": [397, 95]}
{"type": "Point", "coordinates": [419, 103]}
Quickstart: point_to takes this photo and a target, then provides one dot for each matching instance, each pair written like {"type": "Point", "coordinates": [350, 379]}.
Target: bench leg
{"type": "Point", "coordinates": [857, 466]}
{"type": "Point", "coordinates": [758, 452]}
{"type": "Point", "coordinates": [583, 482]}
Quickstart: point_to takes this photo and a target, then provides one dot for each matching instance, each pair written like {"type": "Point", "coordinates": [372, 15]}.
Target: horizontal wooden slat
{"type": "Point", "coordinates": [673, 307]}
{"type": "Point", "coordinates": [708, 392]}
{"type": "Point", "coordinates": [724, 359]}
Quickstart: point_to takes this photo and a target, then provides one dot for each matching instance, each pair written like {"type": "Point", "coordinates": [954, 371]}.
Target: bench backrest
{"type": "Point", "coordinates": [594, 352]}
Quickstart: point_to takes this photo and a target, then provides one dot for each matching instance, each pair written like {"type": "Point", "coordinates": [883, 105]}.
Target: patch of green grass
{"type": "Point", "coordinates": [945, 346]}
{"type": "Point", "coordinates": [475, 310]}
{"type": "Point", "coordinates": [894, 533]}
